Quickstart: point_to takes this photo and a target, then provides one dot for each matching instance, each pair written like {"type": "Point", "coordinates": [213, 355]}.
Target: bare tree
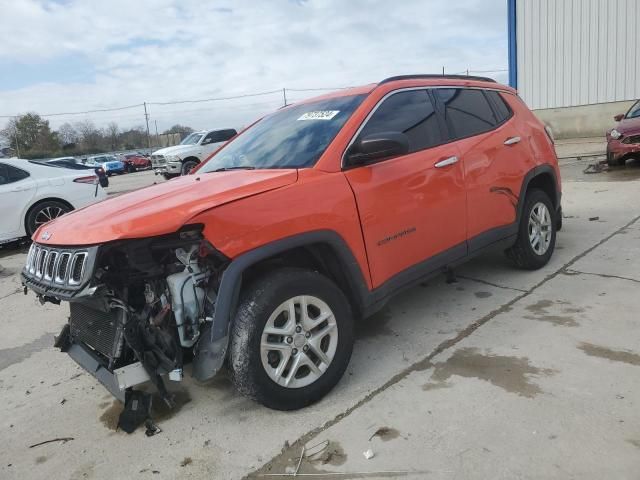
{"type": "Point", "coordinates": [112, 133]}
{"type": "Point", "coordinates": [89, 134]}
{"type": "Point", "coordinates": [67, 134]}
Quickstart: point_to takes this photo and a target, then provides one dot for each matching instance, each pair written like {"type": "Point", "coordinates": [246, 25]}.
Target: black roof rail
{"type": "Point", "coordinates": [436, 75]}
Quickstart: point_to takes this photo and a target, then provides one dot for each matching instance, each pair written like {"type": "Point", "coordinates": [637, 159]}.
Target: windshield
{"type": "Point", "coordinates": [192, 139]}
{"type": "Point", "coordinates": [294, 137]}
{"type": "Point", "coordinates": [634, 111]}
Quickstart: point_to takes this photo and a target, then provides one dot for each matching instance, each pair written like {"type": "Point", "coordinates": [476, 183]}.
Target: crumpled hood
{"type": "Point", "coordinates": [159, 209]}
{"type": "Point", "coordinates": [175, 150]}
{"type": "Point", "coordinates": [629, 126]}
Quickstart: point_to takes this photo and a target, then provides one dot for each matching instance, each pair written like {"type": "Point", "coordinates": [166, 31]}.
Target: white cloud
{"type": "Point", "coordinates": [164, 50]}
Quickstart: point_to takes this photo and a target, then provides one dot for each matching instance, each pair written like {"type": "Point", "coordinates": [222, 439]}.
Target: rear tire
{"type": "Point", "coordinates": [536, 233]}
{"type": "Point", "coordinates": [44, 212]}
{"type": "Point", "coordinates": [273, 368]}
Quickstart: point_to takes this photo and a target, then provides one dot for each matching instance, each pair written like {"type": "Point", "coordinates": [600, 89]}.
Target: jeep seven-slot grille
{"type": "Point", "coordinates": [94, 328]}
{"type": "Point", "coordinates": [58, 269]}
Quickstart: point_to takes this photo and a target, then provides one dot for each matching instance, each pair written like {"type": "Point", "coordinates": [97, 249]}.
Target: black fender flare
{"type": "Point", "coordinates": [531, 174]}
{"type": "Point", "coordinates": [212, 347]}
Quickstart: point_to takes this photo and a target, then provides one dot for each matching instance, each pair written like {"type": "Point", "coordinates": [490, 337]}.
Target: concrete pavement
{"type": "Point", "coordinates": [505, 374]}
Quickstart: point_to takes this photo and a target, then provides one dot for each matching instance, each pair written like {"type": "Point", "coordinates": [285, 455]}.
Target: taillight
{"type": "Point", "coordinates": [100, 170]}
{"type": "Point", "coordinates": [92, 180]}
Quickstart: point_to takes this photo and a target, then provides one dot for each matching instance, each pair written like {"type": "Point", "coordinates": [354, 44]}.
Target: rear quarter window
{"type": "Point", "coordinates": [10, 174]}
{"type": "Point", "coordinates": [500, 106]}
{"type": "Point", "coordinates": [467, 111]}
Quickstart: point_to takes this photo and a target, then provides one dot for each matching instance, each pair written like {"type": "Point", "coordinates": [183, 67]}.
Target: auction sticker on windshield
{"type": "Point", "coordinates": [319, 115]}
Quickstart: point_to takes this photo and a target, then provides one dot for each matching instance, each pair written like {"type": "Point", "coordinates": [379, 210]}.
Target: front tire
{"type": "Point", "coordinates": [188, 166]}
{"type": "Point", "coordinates": [291, 340]}
{"type": "Point", "coordinates": [536, 233]}
{"type": "Point", "coordinates": [43, 213]}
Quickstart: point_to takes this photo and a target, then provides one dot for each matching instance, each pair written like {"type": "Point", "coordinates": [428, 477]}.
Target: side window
{"type": "Point", "coordinates": [209, 138]}
{"type": "Point", "coordinates": [500, 107]}
{"type": "Point", "coordinates": [4, 174]}
{"type": "Point", "coordinates": [218, 136]}
{"type": "Point", "coordinates": [9, 174]}
{"type": "Point", "coordinates": [411, 113]}
{"type": "Point", "coordinates": [467, 111]}
{"type": "Point", "coordinates": [227, 135]}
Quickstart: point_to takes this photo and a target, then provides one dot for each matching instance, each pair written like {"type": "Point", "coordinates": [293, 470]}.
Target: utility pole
{"type": "Point", "coordinates": [157, 136]}
{"type": "Point", "coordinates": [146, 117]}
{"type": "Point", "coordinates": [284, 96]}
{"type": "Point", "coordinates": [443, 70]}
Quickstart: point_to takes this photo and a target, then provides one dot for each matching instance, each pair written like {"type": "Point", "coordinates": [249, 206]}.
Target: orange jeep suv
{"type": "Point", "coordinates": [312, 217]}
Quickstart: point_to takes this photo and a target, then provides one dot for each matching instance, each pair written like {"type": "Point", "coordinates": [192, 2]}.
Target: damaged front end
{"type": "Point", "coordinates": [139, 309]}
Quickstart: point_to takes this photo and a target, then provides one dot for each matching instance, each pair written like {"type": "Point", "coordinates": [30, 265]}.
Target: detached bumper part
{"type": "Point", "coordinates": [117, 382]}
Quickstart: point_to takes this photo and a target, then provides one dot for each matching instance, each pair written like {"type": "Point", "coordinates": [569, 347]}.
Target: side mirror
{"type": "Point", "coordinates": [618, 117]}
{"type": "Point", "coordinates": [377, 146]}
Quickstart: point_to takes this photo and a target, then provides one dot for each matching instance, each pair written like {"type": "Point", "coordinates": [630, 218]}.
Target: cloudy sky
{"type": "Point", "coordinates": [69, 56]}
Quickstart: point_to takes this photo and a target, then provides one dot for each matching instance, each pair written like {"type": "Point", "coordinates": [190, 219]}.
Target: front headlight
{"type": "Point", "coordinates": [615, 134]}
{"type": "Point", "coordinates": [173, 158]}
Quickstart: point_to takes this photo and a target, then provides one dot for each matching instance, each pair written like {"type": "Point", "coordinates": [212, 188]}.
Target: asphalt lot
{"type": "Point", "coordinates": [132, 181]}
{"type": "Point", "coordinates": [504, 374]}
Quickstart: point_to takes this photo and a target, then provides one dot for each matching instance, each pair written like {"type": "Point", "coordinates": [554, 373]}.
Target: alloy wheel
{"type": "Point", "coordinates": [540, 228]}
{"type": "Point", "coordinates": [299, 341]}
{"type": "Point", "coordinates": [47, 214]}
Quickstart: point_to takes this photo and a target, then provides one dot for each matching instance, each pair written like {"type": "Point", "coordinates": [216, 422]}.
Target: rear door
{"type": "Point", "coordinates": [16, 191]}
{"type": "Point", "coordinates": [412, 212]}
{"type": "Point", "coordinates": [493, 154]}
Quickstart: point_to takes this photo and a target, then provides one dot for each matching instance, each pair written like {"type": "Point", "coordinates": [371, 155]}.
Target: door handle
{"type": "Point", "coordinates": [446, 162]}
{"type": "Point", "coordinates": [511, 140]}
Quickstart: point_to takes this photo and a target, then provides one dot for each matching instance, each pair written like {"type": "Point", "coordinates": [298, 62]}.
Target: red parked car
{"type": "Point", "coordinates": [623, 141]}
{"type": "Point", "coordinates": [134, 162]}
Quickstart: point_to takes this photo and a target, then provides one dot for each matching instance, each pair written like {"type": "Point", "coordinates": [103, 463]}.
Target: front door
{"type": "Point", "coordinates": [412, 207]}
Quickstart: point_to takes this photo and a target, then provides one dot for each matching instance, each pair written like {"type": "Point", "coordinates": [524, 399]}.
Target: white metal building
{"type": "Point", "coordinates": [575, 53]}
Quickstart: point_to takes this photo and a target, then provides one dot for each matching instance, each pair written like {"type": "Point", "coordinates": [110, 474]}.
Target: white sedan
{"type": "Point", "coordinates": [33, 193]}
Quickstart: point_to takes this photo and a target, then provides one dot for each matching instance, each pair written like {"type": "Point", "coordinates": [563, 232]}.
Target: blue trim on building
{"type": "Point", "coordinates": [513, 44]}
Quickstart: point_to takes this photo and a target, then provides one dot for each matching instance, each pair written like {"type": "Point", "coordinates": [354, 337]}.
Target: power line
{"type": "Point", "coordinates": [316, 89]}
{"type": "Point", "coordinates": [217, 99]}
{"type": "Point", "coordinates": [175, 102]}
{"type": "Point", "coordinates": [81, 113]}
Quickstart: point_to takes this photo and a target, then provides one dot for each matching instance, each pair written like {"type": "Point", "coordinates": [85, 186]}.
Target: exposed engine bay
{"type": "Point", "coordinates": [138, 308]}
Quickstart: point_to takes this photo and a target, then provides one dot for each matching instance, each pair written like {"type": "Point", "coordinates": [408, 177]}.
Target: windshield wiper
{"type": "Point", "coordinates": [226, 169]}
